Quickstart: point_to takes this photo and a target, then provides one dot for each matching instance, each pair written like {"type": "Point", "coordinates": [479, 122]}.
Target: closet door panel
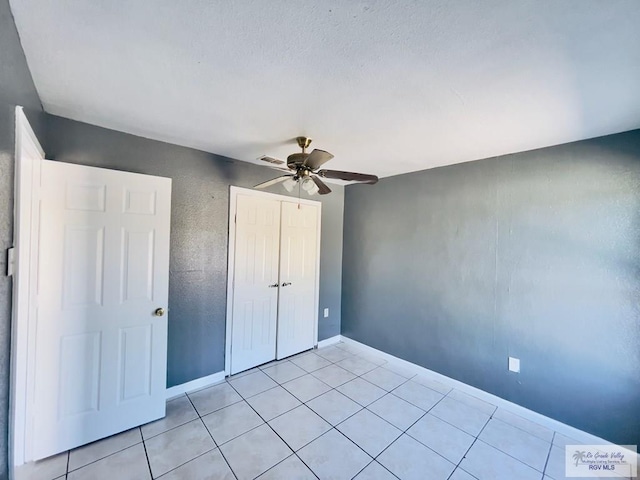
{"type": "Point", "coordinates": [298, 277]}
{"type": "Point", "coordinates": [255, 283]}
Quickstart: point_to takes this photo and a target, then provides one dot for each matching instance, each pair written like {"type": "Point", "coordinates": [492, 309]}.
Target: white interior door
{"type": "Point", "coordinates": [298, 278]}
{"type": "Point", "coordinates": [255, 283]}
{"type": "Point", "coordinates": [100, 356]}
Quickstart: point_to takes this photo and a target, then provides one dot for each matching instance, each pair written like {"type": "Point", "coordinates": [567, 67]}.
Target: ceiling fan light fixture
{"type": "Point", "coordinates": [289, 184]}
{"type": "Point", "coordinates": [308, 185]}
{"type": "Point", "coordinates": [303, 170]}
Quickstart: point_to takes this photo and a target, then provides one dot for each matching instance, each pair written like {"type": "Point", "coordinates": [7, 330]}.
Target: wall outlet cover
{"type": "Point", "coordinates": [514, 364]}
{"type": "Point", "coordinates": [326, 312]}
{"type": "Point", "coordinates": [11, 262]}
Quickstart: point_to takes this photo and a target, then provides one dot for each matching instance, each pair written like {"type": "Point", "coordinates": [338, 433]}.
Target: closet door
{"type": "Point", "coordinates": [255, 297]}
{"type": "Point", "coordinates": [298, 278]}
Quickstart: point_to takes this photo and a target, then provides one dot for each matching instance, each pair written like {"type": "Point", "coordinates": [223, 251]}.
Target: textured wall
{"type": "Point", "coordinates": [16, 88]}
{"type": "Point", "coordinates": [533, 255]}
{"type": "Point", "coordinates": [199, 230]}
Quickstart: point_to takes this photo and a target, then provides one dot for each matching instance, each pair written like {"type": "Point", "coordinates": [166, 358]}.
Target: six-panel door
{"type": "Point", "coordinates": [100, 362]}
{"type": "Point", "coordinates": [255, 283]}
{"type": "Point", "coordinates": [275, 280]}
{"type": "Point", "coordinates": [298, 264]}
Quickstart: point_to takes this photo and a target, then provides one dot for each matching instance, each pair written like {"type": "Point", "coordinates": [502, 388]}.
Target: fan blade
{"type": "Point", "coordinates": [322, 187]}
{"type": "Point", "coordinates": [317, 158]}
{"type": "Point", "coordinates": [273, 182]}
{"type": "Point", "coordinates": [349, 176]}
{"type": "Point", "coordinates": [272, 160]}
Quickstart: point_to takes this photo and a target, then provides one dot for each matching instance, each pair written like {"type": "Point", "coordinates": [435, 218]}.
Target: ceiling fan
{"type": "Point", "coordinates": [304, 170]}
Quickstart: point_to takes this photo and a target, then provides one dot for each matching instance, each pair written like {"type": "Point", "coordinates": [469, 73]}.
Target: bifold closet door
{"type": "Point", "coordinates": [298, 277]}
{"type": "Point", "coordinates": [255, 295]}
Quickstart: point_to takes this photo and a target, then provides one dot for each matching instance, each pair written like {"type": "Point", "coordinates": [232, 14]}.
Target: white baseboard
{"type": "Point", "coordinates": [196, 384]}
{"type": "Point", "coordinates": [555, 425]}
{"type": "Point", "coordinates": [329, 341]}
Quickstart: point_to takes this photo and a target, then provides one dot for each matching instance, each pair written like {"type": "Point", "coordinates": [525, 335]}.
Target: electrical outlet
{"type": "Point", "coordinates": [514, 364]}
{"type": "Point", "coordinates": [326, 312]}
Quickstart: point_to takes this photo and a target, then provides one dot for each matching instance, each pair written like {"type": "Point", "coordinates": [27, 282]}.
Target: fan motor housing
{"type": "Point", "coordinates": [297, 158]}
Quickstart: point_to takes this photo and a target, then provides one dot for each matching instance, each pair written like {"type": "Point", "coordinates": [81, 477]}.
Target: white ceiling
{"type": "Point", "coordinates": [387, 86]}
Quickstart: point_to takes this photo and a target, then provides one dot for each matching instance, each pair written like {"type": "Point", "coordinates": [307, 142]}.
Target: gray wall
{"type": "Point", "coordinates": [534, 255]}
{"type": "Point", "coordinates": [199, 231]}
{"type": "Point", "coordinates": [16, 88]}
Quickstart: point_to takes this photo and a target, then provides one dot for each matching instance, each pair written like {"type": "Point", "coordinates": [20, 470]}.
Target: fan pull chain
{"type": "Point", "coordinates": [299, 187]}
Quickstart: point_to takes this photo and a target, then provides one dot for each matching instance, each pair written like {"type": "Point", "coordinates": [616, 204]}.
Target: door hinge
{"type": "Point", "coordinates": [11, 261]}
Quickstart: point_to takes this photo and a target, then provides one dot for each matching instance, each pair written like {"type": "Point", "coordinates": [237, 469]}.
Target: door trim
{"type": "Point", "coordinates": [231, 259]}
{"type": "Point", "coordinates": [28, 160]}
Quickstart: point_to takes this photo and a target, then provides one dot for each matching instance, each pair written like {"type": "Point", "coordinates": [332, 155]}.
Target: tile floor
{"type": "Point", "coordinates": [332, 413]}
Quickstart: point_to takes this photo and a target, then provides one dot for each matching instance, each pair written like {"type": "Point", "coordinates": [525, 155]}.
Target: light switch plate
{"type": "Point", "coordinates": [514, 364]}
{"type": "Point", "coordinates": [11, 261]}
{"type": "Point", "coordinates": [326, 312]}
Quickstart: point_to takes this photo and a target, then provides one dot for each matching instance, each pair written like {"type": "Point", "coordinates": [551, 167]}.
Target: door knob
{"type": "Point", "coordinates": [159, 312]}
{"type": "Point", "coordinates": [286, 284]}
{"type": "Point", "coordinates": [275, 285]}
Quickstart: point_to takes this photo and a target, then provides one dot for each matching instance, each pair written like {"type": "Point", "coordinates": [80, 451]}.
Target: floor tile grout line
{"type": "Point", "coordinates": [448, 394]}
{"type": "Point", "coordinates": [218, 445]}
{"type": "Point", "coordinates": [219, 449]}
{"type": "Point", "coordinates": [522, 429]}
{"type": "Point", "coordinates": [387, 392]}
{"type": "Point", "coordinates": [280, 414]}
{"type": "Point", "coordinates": [373, 460]}
{"type": "Point", "coordinates": [404, 432]}
{"type": "Point", "coordinates": [283, 413]}
{"type": "Point", "coordinates": [473, 397]}
{"type": "Point", "coordinates": [188, 461]}
{"type": "Point", "coordinates": [451, 424]}
{"type": "Point", "coordinates": [341, 421]}
{"type": "Point", "coordinates": [300, 400]}
{"type": "Point", "coordinates": [340, 433]}
{"type": "Point", "coordinates": [146, 454]}
{"type": "Point", "coordinates": [311, 408]}
{"type": "Point", "coordinates": [382, 418]}
{"type": "Point", "coordinates": [365, 408]}
{"type": "Point", "coordinates": [305, 464]}
{"type": "Point", "coordinates": [284, 441]}
{"type": "Point", "coordinates": [106, 456]}
{"type": "Point", "coordinates": [476, 438]}
{"type": "Point", "coordinates": [172, 428]}
{"type": "Point", "coordinates": [331, 388]}
{"type": "Point", "coordinates": [546, 462]}
{"type": "Point", "coordinates": [213, 439]}
{"type": "Point", "coordinates": [209, 413]}
{"type": "Point", "coordinates": [276, 433]}
{"type": "Point", "coordinates": [332, 428]}
{"type": "Point", "coordinates": [508, 455]}
{"type": "Point", "coordinates": [362, 469]}
{"type": "Point", "coordinates": [284, 460]}
{"type": "Point", "coordinates": [351, 355]}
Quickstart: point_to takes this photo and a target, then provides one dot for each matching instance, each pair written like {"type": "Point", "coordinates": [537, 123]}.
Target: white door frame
{"type": "Point", "coordinates": [28, 161]}
{"type": "Point", "coordinates": [233, 196]}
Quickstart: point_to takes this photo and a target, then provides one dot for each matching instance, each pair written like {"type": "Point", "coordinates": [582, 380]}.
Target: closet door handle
{"type": "Point", "coordinates": [275, 285]}
{"type": "Point", "coordinates": [286, 284]}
